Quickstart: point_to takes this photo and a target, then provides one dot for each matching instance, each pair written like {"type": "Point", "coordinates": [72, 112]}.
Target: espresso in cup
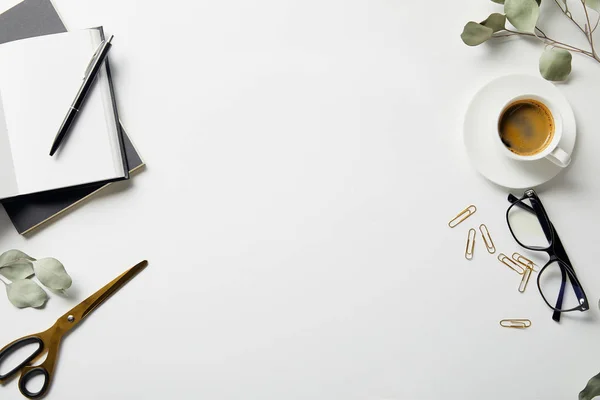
{"type": "Point", "coordinates": [526, 127]}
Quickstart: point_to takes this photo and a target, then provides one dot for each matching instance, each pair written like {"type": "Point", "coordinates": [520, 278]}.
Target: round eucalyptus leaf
{"type": "Point", "coordinates": [474, 34]}
{"type": "Point", "coordinates": [555, 64]}
{"type": "Point", "coordinates": [495, 21]}
{"type": "Point", "coordinates": [16, 270]}
{"type": "Point", "coordinates": [26, 293]}
{"type": "Point", "coordinates": [10, 256]}
{"type": "Point", "coordinates": [523, 14]}
{"type": "Point", "coordinates": [593, 4]}
{"type": "Point", "coordinates": [51, 273]}
{"type": "Point", "coordinates": [591, 390]}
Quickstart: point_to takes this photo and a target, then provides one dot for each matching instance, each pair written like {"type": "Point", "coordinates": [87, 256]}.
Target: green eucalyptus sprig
{"type": "Point", "coordinates": [555, 61]}
{"type": "Point", "coordinates": [17, 267]}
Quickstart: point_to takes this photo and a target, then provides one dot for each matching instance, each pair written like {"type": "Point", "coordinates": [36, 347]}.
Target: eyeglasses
{"type": "Point", "coordinates": [530, 226]}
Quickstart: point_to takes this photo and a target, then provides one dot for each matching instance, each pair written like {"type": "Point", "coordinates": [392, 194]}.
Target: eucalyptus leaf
{"type": "Point", "coordinates": [52, 273]}
{"type": "Point", "coordinates": [593, 4]}
{"type": "Point", "coordinates": [591, 390]}
{"type": "Point", "coordinates": [10, 256]}
{"type": "Point", "coordinates": [474, 34]}
{"type": "Point", "coordinates": [555, 64]}
{"type": "Point", "coordinates": [26, 293]}
{"type": "Point", "coordinates": [496, 21]}
{"type": "Point", "coordinates": [19, 269]}
{"type": "Point", "coordinates": [538, 1]}
{"type": "Point", "coordinates": [523, 14]}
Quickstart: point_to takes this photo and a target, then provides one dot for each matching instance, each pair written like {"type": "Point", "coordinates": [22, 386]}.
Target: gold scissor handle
{"type": "Point", "coordinates": [48, 343]}
{"type": "Point", "coordinates": [15, 346]}
{"type": "Point", "coordinates": [28, 374]}
{"type": "Point", "coordinates": [51, 340]}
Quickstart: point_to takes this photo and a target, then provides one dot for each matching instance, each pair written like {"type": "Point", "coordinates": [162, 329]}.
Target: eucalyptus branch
{"type": "Point", "coordinates": [523, 15]}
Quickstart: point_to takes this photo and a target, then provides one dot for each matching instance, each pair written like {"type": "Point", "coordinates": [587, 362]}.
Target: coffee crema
{"type": "Point", "coordinates": [526, 127]}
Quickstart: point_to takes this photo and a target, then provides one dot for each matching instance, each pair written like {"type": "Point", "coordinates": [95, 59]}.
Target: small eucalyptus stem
{"type": "Point", "coordinates": [589, 36]}
{"type": "Point", "coordinates": [4, 280]}
{"type": "Point", "coordinates": [595, 26]}
{"type": "Point", "coordinates": [570, 16]}
{"type": "Point", "coordinates": [547, 40]}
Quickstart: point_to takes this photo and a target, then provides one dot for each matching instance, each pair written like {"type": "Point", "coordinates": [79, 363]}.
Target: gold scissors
{"type": "Point", "coordinates": [49, 341]}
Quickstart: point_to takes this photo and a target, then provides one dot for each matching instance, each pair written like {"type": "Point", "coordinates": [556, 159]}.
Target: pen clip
{"type": "Point", "coordinates": [95, 56]}
{"type": "Point", "coordinates": [93, 59]}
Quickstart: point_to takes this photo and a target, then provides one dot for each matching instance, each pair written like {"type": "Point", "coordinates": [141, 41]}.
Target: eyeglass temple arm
{"type": "Point", "coordinates": [576, 288]}
{"type": "Point", "coordinates": [561, 293]}
{"type": "Point", "coordinates": [559, 249]}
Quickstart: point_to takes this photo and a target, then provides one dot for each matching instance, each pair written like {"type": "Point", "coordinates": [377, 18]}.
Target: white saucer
{"type": "Point", "coordinates": [480, 128]}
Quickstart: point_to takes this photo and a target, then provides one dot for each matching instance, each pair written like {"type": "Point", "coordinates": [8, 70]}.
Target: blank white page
{"type": "Point", "coordinates": [39, 79]}
{"type": "Point", "coordinates": [8, 180]}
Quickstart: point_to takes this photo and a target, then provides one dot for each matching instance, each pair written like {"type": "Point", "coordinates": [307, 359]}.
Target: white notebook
{"type": "Point", "coordinates": [39, 78]}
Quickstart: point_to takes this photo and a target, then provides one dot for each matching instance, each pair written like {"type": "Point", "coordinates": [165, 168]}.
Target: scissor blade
{"type": "Point", "coordinates": [95, 300]}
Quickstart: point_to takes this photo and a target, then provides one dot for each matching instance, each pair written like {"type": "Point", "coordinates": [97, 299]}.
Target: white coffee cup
{"type": "Point", "coordinates": [552, 151]}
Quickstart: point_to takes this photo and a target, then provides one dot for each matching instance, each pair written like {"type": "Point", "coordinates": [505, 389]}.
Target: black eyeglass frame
{"type": "Point", "coordinates": [555, 251]}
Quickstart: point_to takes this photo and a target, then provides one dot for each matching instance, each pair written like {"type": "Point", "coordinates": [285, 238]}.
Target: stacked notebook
{"type": "Point", "coordinates": [41, 67]}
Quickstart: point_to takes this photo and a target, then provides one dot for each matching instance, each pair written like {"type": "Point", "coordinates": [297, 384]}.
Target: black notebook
{"type": "Point", "coordinates": [38, 18]}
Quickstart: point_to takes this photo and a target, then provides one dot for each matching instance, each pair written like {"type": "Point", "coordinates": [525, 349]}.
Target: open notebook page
{"type": "Point", "coordinates": [39, 79]}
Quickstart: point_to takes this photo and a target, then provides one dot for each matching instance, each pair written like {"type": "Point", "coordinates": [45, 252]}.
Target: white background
{"type": "Point", "coordinates": [304, 158]}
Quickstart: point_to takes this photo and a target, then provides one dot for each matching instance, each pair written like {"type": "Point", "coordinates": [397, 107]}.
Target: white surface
{"type": "Point", "coordinates": [304, 159]}
{"type": "Point", "coordinates": [40, 77]}
{"type": "Point", "coordinates": [484, 148]}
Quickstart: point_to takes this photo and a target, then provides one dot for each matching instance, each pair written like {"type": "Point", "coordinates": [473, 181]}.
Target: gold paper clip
{"type": "Point", "coordinates": [525, 261]}
{"type": "Point", "coordinates": [515, 323]}
{"type": "Point", "coordinates": [464, 214]}
{"type": "Point", "coordinates": [504, 259]}
{"type": "Point", "coordinates": [525, 279]}
{"type": "Point", "coordinates": [470, 244]}
{"type": "Point", "coordinates": [487, 239]}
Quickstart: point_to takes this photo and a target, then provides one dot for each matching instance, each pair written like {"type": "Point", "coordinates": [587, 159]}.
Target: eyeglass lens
{"type": "Point", "coordinates": [526, 226]}
{"type": "Point", "coordinates": [550, 281]}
